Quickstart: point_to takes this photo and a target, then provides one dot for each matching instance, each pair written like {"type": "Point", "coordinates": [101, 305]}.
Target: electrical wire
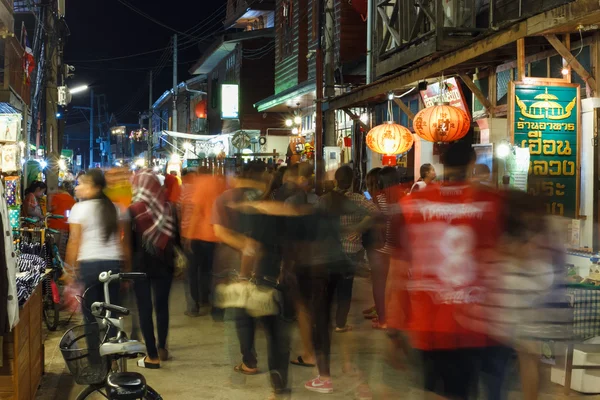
{"type": "Point", "coordinates": [210, 22]}
{"type": "Point", "coordinates": [150, 18]}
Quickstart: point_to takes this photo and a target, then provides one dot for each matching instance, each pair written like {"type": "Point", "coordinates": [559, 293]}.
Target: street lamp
{"type": "Point", "coordinates": [78, 89]}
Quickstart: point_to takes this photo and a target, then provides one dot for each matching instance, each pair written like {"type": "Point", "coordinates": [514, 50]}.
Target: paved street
{"type": "Point", "coordinates": [200, 349]}
{"type": "Point", "coordinates": [201, 366]}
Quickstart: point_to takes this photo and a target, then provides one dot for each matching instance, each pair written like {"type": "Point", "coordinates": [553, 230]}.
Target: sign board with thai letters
{"type": "Point", "coordinates": [544, 116]}
{"type": "Point", "coordinates": [452, 94]}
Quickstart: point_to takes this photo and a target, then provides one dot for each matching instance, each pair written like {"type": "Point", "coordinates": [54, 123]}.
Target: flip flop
{"type": "Point", "coordinates": [143, 364]}
{"type": "Point", "coordinates": [300, 362]}
{"type": "Point", "coordinates": [346, 328]}
{"type": "Point", "coordinates": [240, 369]}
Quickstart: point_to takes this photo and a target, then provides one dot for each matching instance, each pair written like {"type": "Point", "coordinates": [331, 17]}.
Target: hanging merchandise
{"type": "Point", "coordinates": [10, 158]}
{"type": "Point", "coordinates": [12, 184]}
{"type": "Point", "coordinates": [442, 122]}
{"type": "Point", "coordinates": [390, 138]}
{"type": "Point", "coordinates": [14, 213]}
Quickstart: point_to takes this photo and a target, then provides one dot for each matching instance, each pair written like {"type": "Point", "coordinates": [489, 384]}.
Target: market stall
{"type": "Point", "coordinates": [22, 360]}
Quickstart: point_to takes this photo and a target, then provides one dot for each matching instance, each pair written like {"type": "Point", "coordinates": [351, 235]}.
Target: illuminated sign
{"type": "Point", "coordinates": [230, 99]}
{"type": "Point", "coordinates": [544, 117]}
{"type": "Point", "coordinates": [452, 95]}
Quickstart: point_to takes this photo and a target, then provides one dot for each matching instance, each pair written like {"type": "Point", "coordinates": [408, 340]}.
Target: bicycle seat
{"type": "Point", "coordinates": [126, 386]}
{"type": "Point", "coordinates": [131, 347]}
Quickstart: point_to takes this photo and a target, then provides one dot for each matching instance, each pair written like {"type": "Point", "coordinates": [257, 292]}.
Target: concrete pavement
{"type": "Point", "coordinates": [204, 354]}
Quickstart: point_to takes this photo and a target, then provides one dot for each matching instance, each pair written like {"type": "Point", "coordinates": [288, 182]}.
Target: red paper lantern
{"type": "Point", "coordinates": [389, 138]}
{"type": "Point", "coordinates": [347, 141]}
{"type": "Point", "coordinates": [200, 109]}
{"type": "Point", "coordinates": [389, 161]}
{"type": "Point", "coordinates": [441, 123]}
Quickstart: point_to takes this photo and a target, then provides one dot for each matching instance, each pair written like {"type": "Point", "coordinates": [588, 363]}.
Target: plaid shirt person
{"type": "Point", "coordinates": [351, 241]}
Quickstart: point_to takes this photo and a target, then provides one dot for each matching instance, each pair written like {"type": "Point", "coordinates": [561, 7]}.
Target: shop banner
{"type": "Point", "coordinates": [452, 95]}
{"type": "Point", "coordinates": [544, 117]}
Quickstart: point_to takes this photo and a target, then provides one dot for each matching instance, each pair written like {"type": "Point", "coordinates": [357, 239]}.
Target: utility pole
{"type": "Point", "coordinates": [91, 128]}
{"type": "Point", "coordinates": [150, 114]}
{"type": "Point", "coordinates": [330, 139]}
{"type": "Point", "coordinates": [51, 98]}
{"type": "Point", "coordinates": [174, 118]}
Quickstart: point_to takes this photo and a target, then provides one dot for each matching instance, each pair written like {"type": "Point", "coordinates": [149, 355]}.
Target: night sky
{"type": "Point", "coordinates": [103, 29]}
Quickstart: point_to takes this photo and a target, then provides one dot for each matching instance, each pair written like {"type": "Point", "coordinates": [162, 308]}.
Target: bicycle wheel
{"type": "Point", "coordinates": [93, 392]}
{"type": "Point", "coordinates": [50, 308]}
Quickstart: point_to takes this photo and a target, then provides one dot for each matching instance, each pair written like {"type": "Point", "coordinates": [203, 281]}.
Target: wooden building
{"type": "Point", "coordinates": [297, 30]}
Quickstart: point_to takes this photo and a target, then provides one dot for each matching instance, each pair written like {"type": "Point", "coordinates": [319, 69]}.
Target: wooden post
{"type": "Point", "coordinates": [477, 92]}
{"type": "Point", "coordinates": [405, 108]}
{"type": "Point", "coordinates": [567, 43]}
{"type": "Point", "coordinates": [571, 60]}
{"type": "Point", "coordinates": [595, 61]}
{"type": "Point", "coordinates": [521, 59]}
{"type": "Point", "coordinates": [492, 93]}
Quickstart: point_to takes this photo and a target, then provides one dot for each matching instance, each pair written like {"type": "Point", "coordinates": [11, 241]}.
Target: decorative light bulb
{"type": "Point", "coordinates": [288, 122]}
{"type": "Point", "coordinates": [297, 120]}
{"type": "Point", "coordinates": [503, 150]}
{"type": "Point", "coordinates": [565, 71]}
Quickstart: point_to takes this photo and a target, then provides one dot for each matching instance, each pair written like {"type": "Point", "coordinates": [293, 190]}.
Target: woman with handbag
{"type": "Point", "coordinates": [248, 266]}
{"type": "Point", "coordinates": [153, 240]}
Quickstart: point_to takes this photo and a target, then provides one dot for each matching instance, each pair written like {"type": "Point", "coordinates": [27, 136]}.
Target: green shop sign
{"type": "Point", "coordinates": [544, 116]}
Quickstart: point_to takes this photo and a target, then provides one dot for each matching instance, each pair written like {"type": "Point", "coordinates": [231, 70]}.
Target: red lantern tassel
{"type": "Point", "coordinates": [389, 161]}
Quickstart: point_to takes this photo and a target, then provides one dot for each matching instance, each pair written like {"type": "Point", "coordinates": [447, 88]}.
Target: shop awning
{"type": "Point", "coordinates": [303, 94]}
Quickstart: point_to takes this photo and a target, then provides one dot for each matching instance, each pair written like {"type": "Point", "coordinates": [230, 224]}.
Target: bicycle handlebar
{"type": "Point", "coordinates": [132, 276]}
{"type": "Point", "coordinates": [98, 307]}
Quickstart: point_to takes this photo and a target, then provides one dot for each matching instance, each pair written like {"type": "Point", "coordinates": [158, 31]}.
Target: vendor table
{"type": "Point", "coordinates": [23, 353]}
{"type": "Point", "coordinates": [585, 300]}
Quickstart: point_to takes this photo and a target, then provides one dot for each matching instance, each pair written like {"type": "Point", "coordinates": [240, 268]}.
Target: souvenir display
{"type": "Point", "coordinates": [14, 213]}
{"type": "Point", "coordinates": [12, 184]}
{"type": "Point", "coordinates": [10, 158]}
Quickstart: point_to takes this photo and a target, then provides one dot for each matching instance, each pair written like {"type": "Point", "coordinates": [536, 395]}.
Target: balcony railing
{"type": "Point", "coordinates": [409, 30]}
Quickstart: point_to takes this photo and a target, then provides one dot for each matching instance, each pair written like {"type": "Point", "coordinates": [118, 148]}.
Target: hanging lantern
{"type": "Point", "coordinates": [389, 139]}
{"type": "Point", "coordinates": [200, 109]}
{"type": "Point", "coordinates": [441, 123]}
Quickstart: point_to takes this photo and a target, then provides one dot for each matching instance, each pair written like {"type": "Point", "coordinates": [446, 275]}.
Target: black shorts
{"type": "Point", "coordinates": [451, 373]}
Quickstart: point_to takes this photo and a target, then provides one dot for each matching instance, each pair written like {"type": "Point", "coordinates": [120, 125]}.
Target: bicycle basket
{"type": "Point", "coordinates": [80, 349]}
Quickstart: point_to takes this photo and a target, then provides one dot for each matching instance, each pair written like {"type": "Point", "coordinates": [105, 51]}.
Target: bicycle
{"type": "Point", "coordinates": [101, 366]}
{"type": "Point", "coordinates": [50, 288]}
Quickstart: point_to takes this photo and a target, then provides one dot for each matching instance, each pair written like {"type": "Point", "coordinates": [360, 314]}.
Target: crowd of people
{"type": "Point", "coordinates": [465, 278]}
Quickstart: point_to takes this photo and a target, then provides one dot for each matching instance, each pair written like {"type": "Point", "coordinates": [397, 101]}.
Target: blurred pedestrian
{"type": "Point", "coordinates": [387, 199]}
{"type": "Point", "coordinates": [446, 233]}
{"type": "Point", "coordinates": [153, 240]}
{"type": "Point", "coordinates": [248, 249]}
{"type": "Point", "coordinates": [354, 222]}
{"type": "Point", "coordinates": [172, 187]}
{"type": "Point", "coordinates": [94, 244]}
{"type": "Point", "coordinates": [198, 198]}
{"type": "Point", "coordinates": [60, 204]}
{"type": "Point", "coordinates": [427, 176]}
